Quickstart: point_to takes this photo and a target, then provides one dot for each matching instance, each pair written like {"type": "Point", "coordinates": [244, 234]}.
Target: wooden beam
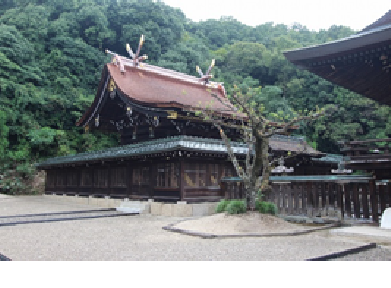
{"type": "Point", "coordinates": [374, 201]}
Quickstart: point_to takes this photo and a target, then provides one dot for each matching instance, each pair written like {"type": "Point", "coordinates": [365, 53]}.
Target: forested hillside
{"type": "Point", "coordinates": [52, 54]}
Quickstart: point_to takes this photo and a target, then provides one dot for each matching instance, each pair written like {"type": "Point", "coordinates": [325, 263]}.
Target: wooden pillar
{"type": "Point", "coordinates": [356, 201]}
{"type": "Point", "coordinates": [108, 189]}
{"type": "Point", "coordinates": [340, 199]}
{"type": "Point", "coordinates": [374, 202]}
{"type": "Point", "coordinates": [129, 182]}
{"type": "Point", "coordinates": [92, 189]}
{"type": "Point", "coordinates": [382, 197]}
{"type": "Point", "coordinates": [323, 194]}
{"type": "Point", "coordinates": [348, 203]}
{"type": "Point", "coordinates": [152, 179]}
{"type": "Point", "coordinates": [182, 178]}
{"type": "Point", "coordinates": [310, 202]}
{"type": "Point", "coordinates": [296, 191]}
{"type": "Point", "coordinates": [290, 198]}
{"type": "Point", "coordinates": [78, 180]}
{"type": "Point", "coordinates": [365, 206]}
{"type": "Point", "coordinates": [303, 198]}
{"type": "Point", "coordinates": [219, 175]}
{"type": "Point", "coordinates": [64, 180]}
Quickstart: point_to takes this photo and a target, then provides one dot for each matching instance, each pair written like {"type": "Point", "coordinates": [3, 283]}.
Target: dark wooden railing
{"type": "Point", "coordinates": [357, 197]}
{"type": "Point", "coordinates": [369, 147]}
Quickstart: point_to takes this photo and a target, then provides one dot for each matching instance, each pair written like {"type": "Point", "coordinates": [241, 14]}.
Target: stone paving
{"type": "Point", "coordinates": [141, 238]}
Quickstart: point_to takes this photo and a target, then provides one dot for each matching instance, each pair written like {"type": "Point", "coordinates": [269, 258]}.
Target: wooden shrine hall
{"type": "Point", "coordinates": [360, 63]}
{"type": "Point", "coordinates": [167, 153]}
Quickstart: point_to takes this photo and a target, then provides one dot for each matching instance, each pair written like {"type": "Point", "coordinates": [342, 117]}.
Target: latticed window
{"type": "Point", "coordinates": [141, 175]}
{"type": "Point", "coordinates": [60, 178]}
{"type": "Point", "coordinates": [167, 175]}
{"type": "Point", "coordinates": [72, 178]}
{"type": "Point", "coordinates": [101, 178]}
{"type": "Point", "coordinates": [51, 178]}
{"type": "Point", "coordinates": [86, 177]}
{"type": "Point", "coordinates": [228, 171]}
{"type": "Point", "coordinates": [214, 168]}
{"type": "Point", "coordinates": [118, 177]}
{"type": "Point", "coordinates": [195, 174]}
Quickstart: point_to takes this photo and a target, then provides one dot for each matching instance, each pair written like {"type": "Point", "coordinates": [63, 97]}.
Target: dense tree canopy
{"type": "Point", "coordinates": [52, 54]}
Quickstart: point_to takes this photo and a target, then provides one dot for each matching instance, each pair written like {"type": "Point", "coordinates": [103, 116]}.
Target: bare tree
{"type": "Point", "coordinates": [256, 132]}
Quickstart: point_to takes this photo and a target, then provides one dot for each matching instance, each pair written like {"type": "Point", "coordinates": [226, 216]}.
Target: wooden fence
{"type": "Point", "coordinates": [343, 196]}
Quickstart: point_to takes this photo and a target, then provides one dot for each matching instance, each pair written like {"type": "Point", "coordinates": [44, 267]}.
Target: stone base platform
{"type": "Point", "coordinates": [180, 209]}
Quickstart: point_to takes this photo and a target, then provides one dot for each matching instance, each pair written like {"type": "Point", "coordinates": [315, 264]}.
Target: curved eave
{"type": "Point", "coordinates": [376, 35]}
{"type": "Point", "coordinates": [161, 106]}
{"type": "Point", "coordinates": [101, 86]}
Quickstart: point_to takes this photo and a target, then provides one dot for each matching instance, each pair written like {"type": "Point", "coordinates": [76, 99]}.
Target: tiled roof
{"type": "Point", "coordinates": [294, 144]}
{"type": "Point", "coordinates": [177, 143]}
{"type": "Point", "coordinates": [330, 158]}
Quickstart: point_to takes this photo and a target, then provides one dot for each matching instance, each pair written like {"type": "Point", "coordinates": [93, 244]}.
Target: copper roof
{"type": "Point", "coordinates": [358, 62]}
{"type": "Point", "coordinates": [153, 86]}
{"type": "Point", "coordinates": [164, 90]}
{"type": "Point", "coordinates": [384, 20]}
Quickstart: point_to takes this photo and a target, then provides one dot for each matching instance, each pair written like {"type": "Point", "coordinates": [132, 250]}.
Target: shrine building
{"type": "Point", "coordinates": [360, 63]}
{"type": "Point", "coordinates": [167, 153]}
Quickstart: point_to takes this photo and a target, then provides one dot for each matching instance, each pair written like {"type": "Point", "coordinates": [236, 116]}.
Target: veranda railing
{"type": "Point", "coordinates": [346, 196]}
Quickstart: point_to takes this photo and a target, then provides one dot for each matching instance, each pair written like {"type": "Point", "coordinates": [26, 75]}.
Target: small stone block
{"type": "Point", "coordinates": [182, 210]}
{"type": "Point", "coordinates": [201, 209]}
{"type": "Point", "coordinates": [156, 208]}
{"type": "Point", "coordinates": [167, 210]}
{"type": "Point", "coordinates": [386, 219]}
{"type": "Point", "coordinates": [212, 208]}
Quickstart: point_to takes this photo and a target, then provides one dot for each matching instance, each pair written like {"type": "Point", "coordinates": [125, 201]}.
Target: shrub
{"type": "Point", "coordinates": [237, 207]}
{"type": "Point", "coordinates": [261, 207]}
{"type": "Point", "coordinates": [271, 208]}
{"type": "Point", "coordinates": [222, 206]}
{"type": "Point", "coordinates": [266, 207]}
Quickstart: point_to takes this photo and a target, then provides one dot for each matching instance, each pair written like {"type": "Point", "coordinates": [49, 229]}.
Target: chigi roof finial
{"type": "Point", "coordinates": [135, 57]}
{"type": "Point", "coordinates": [207, 76]}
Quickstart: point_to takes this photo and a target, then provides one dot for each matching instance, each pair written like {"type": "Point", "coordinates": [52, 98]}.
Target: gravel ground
{"type": "Point", "coordinates": [62, 217]}
{"type": "Point", "coordinates": [11, 206]}
{"type": "Point", "coordinates": [140, 238]}
{"type": "Point", "coordinates": [251, 222]}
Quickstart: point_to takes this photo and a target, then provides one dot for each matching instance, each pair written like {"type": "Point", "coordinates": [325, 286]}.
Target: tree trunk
{"type": "Point", "coordinates": [266, 167]}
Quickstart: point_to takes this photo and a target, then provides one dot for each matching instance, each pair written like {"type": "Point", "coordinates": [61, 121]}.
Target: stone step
{"type": "Point", "coordinates": [134, 207]}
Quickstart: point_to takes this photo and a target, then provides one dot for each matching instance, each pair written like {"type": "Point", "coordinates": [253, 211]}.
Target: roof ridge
{"type": "Point", "coordinates": [169, 73]}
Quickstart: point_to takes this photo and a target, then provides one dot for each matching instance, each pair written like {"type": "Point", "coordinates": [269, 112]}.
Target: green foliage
{"type": "Point", "coordinates": [222, 206]}
{"type": "Point", "coordinates": [17, 178]}
{"type": "Point", "coordinates": [236, 207]}
{"type": "Point", "coordinates": [266, 207]}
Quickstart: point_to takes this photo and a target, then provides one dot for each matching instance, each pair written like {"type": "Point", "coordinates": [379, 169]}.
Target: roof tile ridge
{"type": "Point", "coordinates": [170, 73]}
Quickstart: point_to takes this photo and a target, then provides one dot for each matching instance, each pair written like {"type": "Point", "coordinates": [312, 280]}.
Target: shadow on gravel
{"type": "Point", "coordinates": [344, 253]}
{"type": "Point", "coordinates": [3, 258]}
